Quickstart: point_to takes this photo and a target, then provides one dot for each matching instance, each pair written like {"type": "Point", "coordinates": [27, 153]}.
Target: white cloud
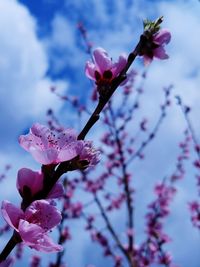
{"type": "Point", "coordinates": [24, 88]}
{"type": "Point", "coordinates": [183, 67]}
{"type": "Point", "coordinates": [62, 44]}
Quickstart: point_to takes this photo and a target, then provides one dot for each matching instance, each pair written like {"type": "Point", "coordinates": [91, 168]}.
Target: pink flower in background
{"type": "Point", "coordinates": [74, 210]}
{"type": "Point", "coordinates": [7, 263]}
{"type": "Point", "coordinates": [33, 224]}
{"type": "Point", "coordinates": [31, 182]}
{"type": "Point", "coordinates": [48, 147]}
{"type": "Point", "coordinates": [194, 207]}
{"type": "Point", "coordinates": [156, 46]}
{"type": "Point", "coordinates": [103, 70]}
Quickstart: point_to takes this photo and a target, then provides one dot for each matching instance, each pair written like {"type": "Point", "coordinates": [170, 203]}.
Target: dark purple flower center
{"type": "Point", "coordinates": [107, 74]}
{"type": "Point", "coordinates": [97, 75]}
{"type": "Point", "coordinates": [104, 79]}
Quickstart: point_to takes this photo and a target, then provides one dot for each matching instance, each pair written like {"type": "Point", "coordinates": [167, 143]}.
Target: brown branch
{"type": "Point", "coordinates": [14, 240]}
{"type": "Point", "coordinates": [129, 201]}
{"type": "Point", "coordinates": [110, 228]}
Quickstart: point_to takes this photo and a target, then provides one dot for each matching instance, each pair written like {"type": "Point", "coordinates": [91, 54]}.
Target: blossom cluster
{"type": "Point", "coordinates": [34, 220]}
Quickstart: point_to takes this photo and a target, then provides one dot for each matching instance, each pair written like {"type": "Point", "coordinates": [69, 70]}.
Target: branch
{"type": "Point", "coordinates": [110, 228]}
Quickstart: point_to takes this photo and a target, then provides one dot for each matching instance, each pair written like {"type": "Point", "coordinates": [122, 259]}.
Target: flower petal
{"type": "Point", "coordinates": [42, 213]}
{"type": "Point", "coordinates": [68, 153]}
{"type": "Point", "coordinates": [162, 37]}
{"type": "Point", "coordinates": [46, 157]}
{"type": "Point", "coordinates": [31, 179]}
{"type": "Point", "coordinates": [11, 214]}
{"type": "Point", "coordinates": [102, 60]}
{"type": "Point", "coordinates": [35, 237]}
{"type": "Point", "coordinates": [90, 70]}
{"type": "Point", "coordinates": [42, 132]}
{"type": "Point", "coordinates": [66, 137]}
{"type": "Point", "coordinates": [57, 191]}
{"type": "Point", "coordinates": [86, 151]}
{"type": "Point", "coordinates": [118, 66]}
{"type": "Point", "coordinates": [147, 60]}
{"type": "Point", "coordinates": [160, 53]}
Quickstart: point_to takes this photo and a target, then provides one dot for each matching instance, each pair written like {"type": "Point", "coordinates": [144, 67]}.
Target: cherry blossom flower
{"type": "Point", "coordinates": [194, 207]}
{"type": "Point", "coordinates": [155, 46]}
{"type": "Point", "coordinates": [48, 147]}
{"type": "Point", "coordinates": [31, 182]}
{"type": "Point", "coordinates": [103, 70]}
{"type": "Point", "coordinates": [74, 210]}
{"type": "Point", "coordinates": [35, 261]}
{"type": "Point", "coordinates": [33, 224]}
{"type": "Point", "coordinates": [165, 259]}
{"type": "Point", "coordinates": [87, 153]}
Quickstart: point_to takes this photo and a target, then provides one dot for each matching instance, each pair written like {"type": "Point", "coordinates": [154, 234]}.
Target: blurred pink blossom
{"type": "Point", "coordinates": [7, 263]}
{"type": "Point", "coordinates": [156, 48]}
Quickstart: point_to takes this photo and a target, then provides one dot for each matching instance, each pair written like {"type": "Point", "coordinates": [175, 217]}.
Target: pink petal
{"type": "Point", "coordinates": [35, 237]}
{"type": "Point", "coordinates": [147, 60]}
{"type": "Point", "coordinates": [162, 37]}
{"type": "Point", "coordinates": [57, 191]}
{"type": "Point", "coordinates": [42, 213]}
{"type": "Point", "coordinates": [66, 137]}
{"type": "Point", "coordinates": [11, 214]}
{"type": "Point", "coordinates": [102, 60]}
{"type": "Point", "coordinates": [160, 53]}
{"type": "Point", "coordinates": [36, 138]}
{"type": "Point", "coordinates": [25, 141]}
{"type": "Point", "coordinates": [86, 151]}
{"type": "Point", "coordinates": [118, 67]}
{"type": "Point", "coordinates": [67, 153]}
{"type": "Point", "coordinates": [37, 134]}
{"type": "Point", "coordinates": [31, 179]}
{"type": "Point", "coordinates": [41, 131]}
{"type": "Point", "coordinates": [90, 70]}
{"type": "Point", "coordinates": [46, 157]}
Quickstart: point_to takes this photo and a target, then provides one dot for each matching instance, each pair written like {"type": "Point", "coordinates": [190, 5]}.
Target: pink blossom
{"type": "Point", "coordinates": [197, 164]}
{"type": "Point", "coordinates": [35, 261]}
{"type": "Point", "coordinates": [65, 234]}
{"type": "Point", "coordinates": [31, 182]}
{"type": "Point", "coordinates": [195, 213]}
{"type": "Point", "coordinates": [194, 206]}
{"type": "Point", "coordinates": [86, 152]}
{"type": "Point", "coordinates": [156, 46]}
{"type": "Point", "coordinates": [48, 147]}
{"type": "Point", "coordinates": [33, 224]}
{"type": "Point", "coordinates": [103, 70]}
{"type": "Point", "coordinates": [76, 209]}
{"type": "Point", "coordinates": [7, 263]}
{"type": "Point", "coordinates": [165, 258]}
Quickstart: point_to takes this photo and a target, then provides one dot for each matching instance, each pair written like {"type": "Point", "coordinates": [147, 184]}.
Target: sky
{"type": "Point", "coordinates": [41, 47]}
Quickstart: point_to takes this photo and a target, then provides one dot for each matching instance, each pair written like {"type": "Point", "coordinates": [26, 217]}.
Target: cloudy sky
{"type": "Point", "coordinates": [40, 47]}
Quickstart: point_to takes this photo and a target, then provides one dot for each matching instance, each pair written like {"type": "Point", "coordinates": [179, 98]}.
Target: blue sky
{"type": "Point", "coordinates": [41, 47]}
